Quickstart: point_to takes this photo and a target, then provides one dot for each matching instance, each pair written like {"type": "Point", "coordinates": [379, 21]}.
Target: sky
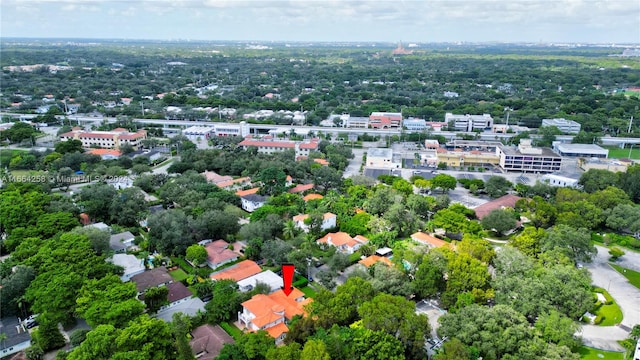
{"type": "Point", "coordinates": [409, 21]}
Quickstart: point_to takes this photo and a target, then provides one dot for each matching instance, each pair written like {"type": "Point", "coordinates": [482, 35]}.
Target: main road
{"type": "Point", "coordinates": [177, 124]}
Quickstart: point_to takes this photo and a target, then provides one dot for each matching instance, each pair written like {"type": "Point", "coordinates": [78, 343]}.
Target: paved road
{"type": "Point", "coordinates": [626, 295]}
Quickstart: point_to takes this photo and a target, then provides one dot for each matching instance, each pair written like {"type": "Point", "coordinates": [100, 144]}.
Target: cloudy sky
{"type": "Point", "coordinates": [586, 21]}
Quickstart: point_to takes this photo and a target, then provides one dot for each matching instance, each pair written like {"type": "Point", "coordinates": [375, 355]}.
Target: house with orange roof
{"type": "Point", "coordinates": [329, 221]}
{"type": "Point", "coordinates": [300, 188]}
{"type": "Point", "coordinates": [214, 177]}
{"type": "Point", "coordinates": [374, 259]}
{"type": "Point", "coordinates": [106, 154]}
{"type": "Point", "coordinates": [218, 254]}
{"type": "Point", "coordinates": [288, 181]}
{"type": "Point", "coordinates": [343, 242]}
{"type": "Point", "coordinates": [430, 241]}
{"type": "Point", "coordinates": [272, 312]}
{"type": "Point", "coordinates": [242, 193]}
{"type": "Point", "coordinates": [113, 139]}
{"type": "Point", "coordinates": [312, 197]}
{"type": "Point", "coordinates": [506, 201]}
{"type": "Point", "coordinates": [267, 145]}
{"type": "Point", "coordinates": [322, 162]}
{"type": "Point", "coordinates": [234, 184]}
{"type": "Point", "coordinates": [237, 272]}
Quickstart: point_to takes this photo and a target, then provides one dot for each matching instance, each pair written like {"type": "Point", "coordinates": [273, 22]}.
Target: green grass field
{"type": "Point", "coordinates": [231, 330]}
{"type": "Point", "coordinates": [611, 314]}
{"type": "Point", "coordinates": [178, 275]}
{"type": "Point", "coordinates": [308, 292]}
{"type": "Point", "coordinates": [631, 275]}
{"type": "Point", "coordinates": [587, 353]}
{"type": "Point", "coordinates": [617, 153]}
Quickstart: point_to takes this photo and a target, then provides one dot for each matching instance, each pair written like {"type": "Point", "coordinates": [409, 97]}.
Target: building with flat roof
{"type": "Point", "coordinates": [267, 277]}
{"type": "Point", "coordinates": [559, 181]}
{"type": "Point", "coordinates": [349, 121]}
{"type": "Point", "coordinates": [381, 158]}
{"type": "Point", "coordinates": [412, 124]}
{"type": "Point", "coordinates": [385, 120]}
{"type": "Point", "coordinates": [566, 126]}
{"type": "Point", "coordinates": [615, 165]}
{"type": "Point", "coordinates": [469, 122]}
{"type": "Point", "coordinates": [528, 159]}
{"type": "Point", "coordinates": [132, 265]}
{"type": "Point", "coordinates": [580, 150]}
{"type": "Point", "coordinates": [196, 133]}
{"type": "Point", "coordinates": [459, 158]}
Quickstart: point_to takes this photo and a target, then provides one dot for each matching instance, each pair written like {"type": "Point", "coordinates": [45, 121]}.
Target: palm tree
{"type": "Point", "coordinates": [290, 230]}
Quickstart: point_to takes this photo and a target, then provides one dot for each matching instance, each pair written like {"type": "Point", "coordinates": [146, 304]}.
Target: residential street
{"type": "Point", "coordinates": [626, 295]}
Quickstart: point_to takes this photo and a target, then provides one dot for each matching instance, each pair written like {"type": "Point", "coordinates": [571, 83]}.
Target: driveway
{"type": "Point", "coordinates": [626, 295]}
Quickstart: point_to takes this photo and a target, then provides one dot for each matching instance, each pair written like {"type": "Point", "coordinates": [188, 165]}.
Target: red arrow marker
{"type": "Point", "coordinates": [287, 278]}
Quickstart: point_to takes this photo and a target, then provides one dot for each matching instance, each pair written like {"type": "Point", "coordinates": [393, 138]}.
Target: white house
{"type": "Point", "coordinates": [252, 202]}
{"type": "Point", "coordinates": [268, 277]}
{"type": "Point", "coordinates": [329, 221]}
{"type": "Point", "coordinates": [131, 264]}
{"type": "Point", "coordinates": [343, 242]}
{"type": "Point", "coordinates": [121, 242]}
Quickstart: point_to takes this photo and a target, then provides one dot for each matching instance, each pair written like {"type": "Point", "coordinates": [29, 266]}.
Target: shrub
{"type": "Point", "coordinates": [78, 336]}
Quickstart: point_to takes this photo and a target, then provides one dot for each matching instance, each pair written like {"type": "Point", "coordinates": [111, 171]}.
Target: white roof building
{"type": "Point", "coordinates": [267, 277]}
{"type": "Point", "coordinates": [131, 264]}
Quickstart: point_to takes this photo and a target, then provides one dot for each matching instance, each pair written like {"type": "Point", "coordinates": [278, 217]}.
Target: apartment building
{"type": "Point", "coordinates": [113, 139]}
{"type": "Point", "coordinates": [267, 145]}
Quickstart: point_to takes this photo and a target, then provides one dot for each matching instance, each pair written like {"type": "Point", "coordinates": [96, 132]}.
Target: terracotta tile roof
{"type": "Point", "coordinates": [322, 162]}
{"type": "Point", "coordinates": [428, 239]}
{"type": "Point", "coordinates": [300, 217]}
{"type": "Point", "coordinates": [239, 271]}
{"type": "Point", "coordinates": [310, 145]}
{"type": "Point", "coordinates": [328, 215]}
{"type": "Point", "coordinates": [276, 144]}
{"type": "Point", "coordinates": [215, 178]}
{"type": "Point", "coordinates": [229, 183]}
{"type": "Point", "coordinates": [103, 152]}
{"type": "Point", "coordinates": [276, 331]}
{"type": "Point", "coordinates": [270, 308]}
{"type": "Point", "coordinates": [242, 193]}
{"type": "Point", "coordinates": [208, 341]}
{"type": "Point", "coordinates": [508, 200]}
{"type": "Point", "coordinates": [341, 238]}
{"type": "Point", "coordinates": [218, 252]}
{"type": "Point", "coordinates": [300, 188]}
{"type": "Point", "coordinates": [177, 291]}
{"type": "Point", "coordinates": [312, 197]}
{"type": "Point", "coordinates": [369, 261]}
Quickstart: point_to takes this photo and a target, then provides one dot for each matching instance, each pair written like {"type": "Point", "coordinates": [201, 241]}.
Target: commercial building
{"type": "Point", "coordinates": [267, 145]}
{"type": "Point", "coordinates": [559, 181]}
{"type": "Point", "coordinates": [526, 158]}
{"type": "Point", "coordinates": [349, 121]}
{"type": "Point", "coordinates": [619, 165]}
{"type": "Point", "coordinates": [566, 126]}
{"type": "Point", "coordinates": [385, 120]}
{"type": "Point", "coordinates": [381, 158]}
{"type": "Point", "coordinates": [469, 122]}
{"type": "Point", "coordinates": [580, 150]}
{"type": "Point", "coordinates": [113, 139]}
{"type": "Point", "coordinates": [459, 158]}
{"type": "Point", "coordinates": [412, 124]}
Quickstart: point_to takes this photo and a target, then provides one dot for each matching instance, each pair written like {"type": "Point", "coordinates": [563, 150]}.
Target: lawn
{"type": "Point", "coordinates": [616, 153]}
{"type": "Point", "coordinates": [631, 275]}
{"type": "Point", "coordinates": [308, 292]}
{"type": "Point", "coordinates": [178, 275]}
{"type": "Point", "coordinates": [587, 353]}
{"type": "Point", "coordinates": [231, 330]}
{"type": "Point", "coordinates": [609, 313]}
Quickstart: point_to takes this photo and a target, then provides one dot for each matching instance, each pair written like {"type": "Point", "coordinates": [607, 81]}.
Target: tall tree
{"type": "Point", "coordinates": [575, 243]}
